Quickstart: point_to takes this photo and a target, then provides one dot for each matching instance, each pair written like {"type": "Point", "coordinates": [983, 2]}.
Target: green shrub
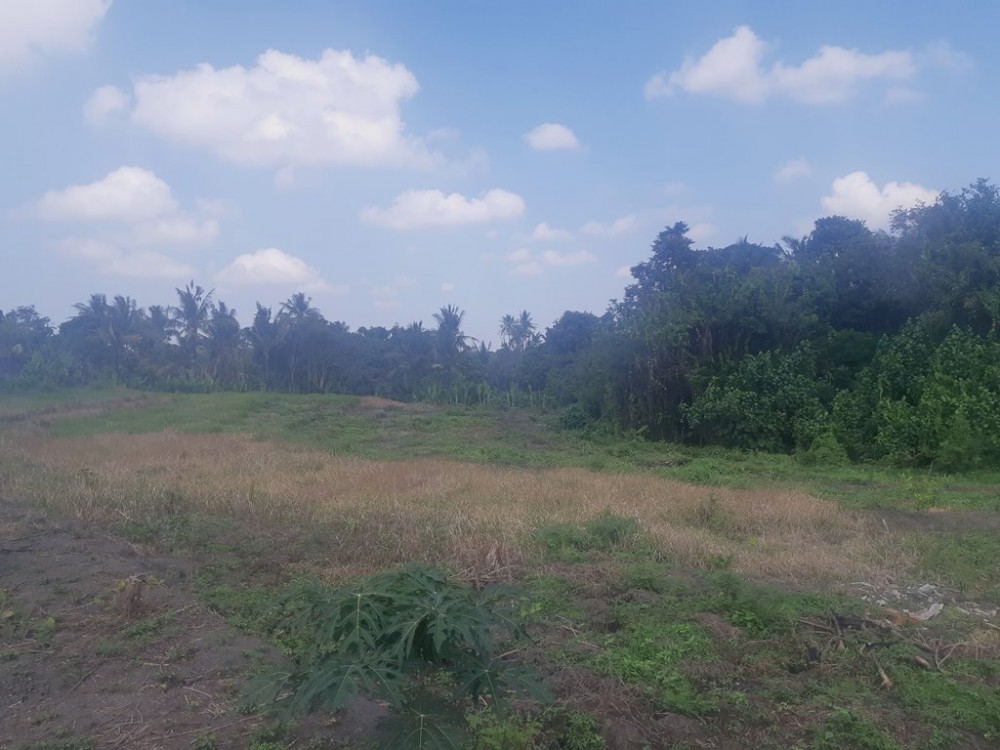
{"type": "Point", "coordinates": [385, 636]}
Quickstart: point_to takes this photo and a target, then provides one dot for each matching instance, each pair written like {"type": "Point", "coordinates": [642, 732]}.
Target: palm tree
{"type": "Point", "coordinates": [518, 333]}
{"type": "Point", "coordinates": [299, 307]}
{"type": "Point", "coordinates": [297, 313]}
{"type": "Point", "coordinates": [450, 339]}
{"type": "Point", "coordinates": [192, 317]}
{"type": "Point", "coordinates": [223, 346]}
{"type": "Point", "coordinates": [264, 335]}
{"type": "Point", "coordinates": [125, 323]}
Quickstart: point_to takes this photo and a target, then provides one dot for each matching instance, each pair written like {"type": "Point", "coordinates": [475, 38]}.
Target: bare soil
{"type": "Point", "coordinates": [85, 657]}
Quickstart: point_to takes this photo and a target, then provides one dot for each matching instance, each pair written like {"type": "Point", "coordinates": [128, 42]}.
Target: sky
{"type": "Point", "coordinates": [390, 158]}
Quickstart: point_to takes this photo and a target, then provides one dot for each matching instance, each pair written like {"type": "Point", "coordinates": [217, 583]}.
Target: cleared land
{"type": "Point", "coordinates": [678, 598]}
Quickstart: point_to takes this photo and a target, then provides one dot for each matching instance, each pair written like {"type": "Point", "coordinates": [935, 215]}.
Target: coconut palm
{"type": "Point", "coordinates": [450, 339]}
{"type": "Point", "coordinates": [192, 318]}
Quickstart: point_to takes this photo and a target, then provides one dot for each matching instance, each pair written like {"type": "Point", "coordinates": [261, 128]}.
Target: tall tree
{"type": "Point", "coordinates": [192, 316]}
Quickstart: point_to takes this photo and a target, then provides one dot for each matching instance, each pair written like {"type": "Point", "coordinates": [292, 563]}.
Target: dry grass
{"type": "Point", "coordinates": [476, 518]}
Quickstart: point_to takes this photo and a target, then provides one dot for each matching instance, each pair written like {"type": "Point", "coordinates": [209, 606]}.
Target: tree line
{"type": "Point", "coordinates": [846, 343]}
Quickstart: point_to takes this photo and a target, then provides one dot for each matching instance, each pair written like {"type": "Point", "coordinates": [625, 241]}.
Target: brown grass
{"type": "Point", "coordinates": [478, 519]}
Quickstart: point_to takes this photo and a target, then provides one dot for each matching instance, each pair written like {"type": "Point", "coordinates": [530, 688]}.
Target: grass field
{"type": "Point", "coordinates": [675, 597]}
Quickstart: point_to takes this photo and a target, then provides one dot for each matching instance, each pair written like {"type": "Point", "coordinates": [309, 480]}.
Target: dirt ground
{"type": "Point", "coordinates": [88, 653]}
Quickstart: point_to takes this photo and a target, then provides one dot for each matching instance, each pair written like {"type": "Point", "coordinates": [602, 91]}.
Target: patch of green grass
{"type": "Point", "coordinates": [650, 648]}
{"type": "Point", "coordinates": [18, 403]}
{"type": "Point", "coordinates": [965, 561]}
{"type": "Point", "coordinates": [947, 701]}
{"type": "Point", "coordinates": [845, 729]}
{"type": "Point", "coordinates": [554, 596]}
{"type": "Point", "coordinates": [150, 629]}
{"type": "Point", "coordinates": [601, 535]}
{"type": "Point", "coordinates": [646, 576]}
{"type": "Point", "coordinates": [764, 611]}
{"type": "Point", "coordinates": [247, 608]}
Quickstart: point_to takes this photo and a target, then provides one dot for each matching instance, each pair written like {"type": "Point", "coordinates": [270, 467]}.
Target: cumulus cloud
{"type": "Point", "coordinates": [733, 68]}
{"type": "Point", "coordinates": [551, 136]}
{"type": "Point", "coordinates": [271, 266]}
{"type": "Point", "coordinates": [130, 208]}
{"type": "Point", "coordinates": [147, 264]}
{"type": "Point", "coordinates": [623, 272]}
{"type": "Point", "coordinates": [544, 233]}
{"type": "Point", "coordinates": [46, 27]}
{"type": "Point", "coordinates": [528, 268]}
{"type": "Point", "coordinates": [857, 196]}
{"type": "Point", "coordinates": [702, 231]}
{"type": "Point", "coordinates": [620, 226]}
{"type": "Point", "coordinates": [792, 170]}
{"type": "Point", "coordinates": [527, 263]}
{"type": "Point", "coordinates": [127, 194]}
{"type": "Point", "coordinates": [104, 104]}
{"type": "Point", "coordinates": [432, 208]}
{"type": "Point", "coordinates": [552, 258]}
{"type": "Point", "coordinates": [287, 110]}
{"type": "Point", "coordinates": [182, 229]}
{"type": "Point", "coordinates": [111, 260]}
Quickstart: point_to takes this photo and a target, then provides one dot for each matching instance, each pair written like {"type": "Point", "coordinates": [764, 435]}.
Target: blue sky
{"type": "Point", "coordinates": [389, 158]}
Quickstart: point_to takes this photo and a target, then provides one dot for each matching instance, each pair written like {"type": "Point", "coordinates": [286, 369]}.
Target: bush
{"type": "Point", "coordinates": [380, 637]}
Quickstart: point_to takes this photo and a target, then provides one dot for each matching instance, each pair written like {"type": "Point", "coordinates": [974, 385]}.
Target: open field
{"type": "Point", "coordinates": [676, 598]}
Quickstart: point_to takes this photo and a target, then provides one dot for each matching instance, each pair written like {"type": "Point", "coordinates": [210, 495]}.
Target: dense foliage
{"type": "Point", "coordinates": [845, 342]}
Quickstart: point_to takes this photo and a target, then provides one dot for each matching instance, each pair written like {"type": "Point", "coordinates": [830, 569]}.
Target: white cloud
{"type": "Point", "coordinates": [733, 69]}
{"type": "Point", "coordinates": [90, 249]}
{"type": "Point", "coordinates": [287, 110]}
{"type": "Point", "coordinates": [527, 263]}
{"type": "Point", "coordinates": [530, 268]}
{"type": "Point", "coordinates": [620, 226]}
{"type": "Point", "coordinates": [551, 136]}
{"type": "Point", "coordinates": [271, 266]}
{"type": "Point", "coordinates": [447, 286]}
{"type": "Point", "coordinates": [623, 272]}
{"type": "Point", "coordinates": [113, 261]}
{"type": "Point", "coordinates": [792, 170]}
{"type": "Point", "coordinates": [856, 196]}
{"type": "Point", "coordinates": [942, 55]}
{"type": "Point", "coordinates": [544, 233]}
{"type": "Point", "coordinates": [146, 264]}
{"type": "Point", "coordinates": [432, 208]}
{"type": "Point", "coordinates": [127, 194]}
{"type": "Point", "coordinates": [702, 231]}
{"type": "Point", "coordinates": [104, 104]}
{"type": "Point", "coordinates": [519, 255]}
{"type": "Point", "coordinates": [182, 229]}
{"type": "Point", "coordinates": [552, 258]}
{"type": "Point", "coordinates": [29, 28]}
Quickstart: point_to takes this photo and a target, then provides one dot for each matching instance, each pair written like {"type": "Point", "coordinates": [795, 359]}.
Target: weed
{"type": "Point", "coordinates": [603, 534]}
{"type": "Point", "coordinates": [648, 651]}
{"type": "Point", "coordinates": [382, 637]}
{"type": "Point", "coordinates": [552, 595]}
{"type": "Point", "coordinates": [569, 729]}
{"type": "Point", "coordinates": [608, 531]}
{"type": "Point", "coordinates": [647, 576]}
{"type": "Point", "coordinates": [845, 729]}
{"type": "Point", "coordinates": [948, 703]}
{"type": "Point", "coordinates": [145, 630]}
{"type": "Point", "coordinates": [491, 732]}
